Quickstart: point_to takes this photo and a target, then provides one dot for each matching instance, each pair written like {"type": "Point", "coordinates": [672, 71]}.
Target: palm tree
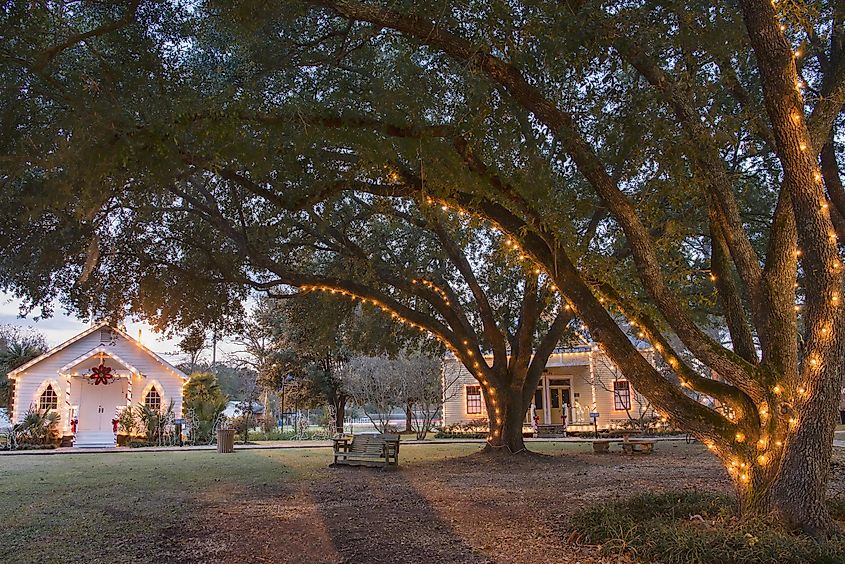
{"type": "Point", "coordinates": [13, 354]}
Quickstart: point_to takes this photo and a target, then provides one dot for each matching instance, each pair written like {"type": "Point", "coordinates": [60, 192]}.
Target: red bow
{"type": "Point", "coordinates": [101, 374]}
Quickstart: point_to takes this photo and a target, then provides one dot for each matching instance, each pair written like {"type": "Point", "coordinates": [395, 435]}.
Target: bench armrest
{"type": "Point", "coordinates": [340, 443]}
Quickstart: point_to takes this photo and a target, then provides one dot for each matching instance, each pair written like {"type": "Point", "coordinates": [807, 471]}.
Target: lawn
{"type": "Point", "coordinates": [444, 504]}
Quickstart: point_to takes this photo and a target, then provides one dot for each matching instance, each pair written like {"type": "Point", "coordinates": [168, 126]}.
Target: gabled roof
{"type": "Point", "coordinates": [95, 351]}
{"type": "Point", "coordinates": [55, 349]}
{"type": "Point", "coordinates": [84, 334]}
{"type": "Point", "coordinates": [153, 354]}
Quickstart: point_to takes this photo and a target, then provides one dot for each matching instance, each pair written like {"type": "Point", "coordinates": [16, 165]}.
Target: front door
{"type": "Point", "coordinates": [558, 402]}
{"type": "Point", "coordinates": [98, 406]}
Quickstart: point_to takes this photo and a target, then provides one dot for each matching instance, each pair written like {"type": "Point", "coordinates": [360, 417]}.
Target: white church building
{"type": "Point", "coordinates": [90, 379]}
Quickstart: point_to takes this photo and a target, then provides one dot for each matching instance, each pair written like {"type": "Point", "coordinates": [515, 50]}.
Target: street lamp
{"type": "Point", "coordinates": [285, 379]}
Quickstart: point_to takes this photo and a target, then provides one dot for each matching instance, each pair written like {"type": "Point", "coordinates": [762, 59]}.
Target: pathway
{"type": "Point", "coordinates": [269, 445]}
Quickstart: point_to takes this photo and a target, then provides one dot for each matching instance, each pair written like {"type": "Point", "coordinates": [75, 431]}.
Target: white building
{"type": "Point", "coordinates": [90, 379]}
{"type": "Point", "coordinates": [576, 381]}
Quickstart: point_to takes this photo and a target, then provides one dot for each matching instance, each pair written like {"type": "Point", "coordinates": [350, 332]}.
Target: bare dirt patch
{"type": "Point", "coordinates": [467, 509]}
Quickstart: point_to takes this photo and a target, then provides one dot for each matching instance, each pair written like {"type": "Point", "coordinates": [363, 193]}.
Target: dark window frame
{"type": "Point", "coordinates": [473, 400]}
{"type": "Point", "coordinates": [158, 400]}
{"type": "Point", "coordinates": [48, 399]}
{"type": "Point", "coordinates": [621, 395]}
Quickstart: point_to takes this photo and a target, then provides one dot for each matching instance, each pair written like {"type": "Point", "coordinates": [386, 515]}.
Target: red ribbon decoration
{"type": "Point", "coordinates": [114, 423]}
{"type": "Point", "coordinates": [101, 374]}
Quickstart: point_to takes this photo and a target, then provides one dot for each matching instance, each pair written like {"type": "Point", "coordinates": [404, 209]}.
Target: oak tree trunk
{"type": "Point", "coordinates": [788, 477]}
{"type": "Point", "coordinates": [506, 411]}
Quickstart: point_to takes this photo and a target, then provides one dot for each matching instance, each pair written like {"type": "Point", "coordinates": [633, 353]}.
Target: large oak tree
{"type": "Point", "coordinates": [634, 152]}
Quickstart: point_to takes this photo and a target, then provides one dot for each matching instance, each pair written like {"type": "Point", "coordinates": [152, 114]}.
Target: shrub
{"type": "Point", "coordinates": [204, 401]}
{"type": "Point", "coordinates": [158, 425]}
{"type": "Point", "coordinates": [287, 435]}
{"type": "Point", "coordinates": [127, 420]}
{"type": "Point", "coordinates": [467, 430]}
{"type": "Point", "coordinates": [140, 444]}
{"type": "Point", "coordinates": [32, 446]}
{"type": "Point", "coordinates": [38, 427]}
{"type": "Point", "coordinates": [693, 527]}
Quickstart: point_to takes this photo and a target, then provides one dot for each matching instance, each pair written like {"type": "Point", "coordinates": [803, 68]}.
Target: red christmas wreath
{"type": "Point", "coordinates": [101, 374]}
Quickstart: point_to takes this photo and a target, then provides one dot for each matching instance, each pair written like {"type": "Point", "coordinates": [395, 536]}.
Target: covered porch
{"type": "Point", "coordinates": [98, 387]}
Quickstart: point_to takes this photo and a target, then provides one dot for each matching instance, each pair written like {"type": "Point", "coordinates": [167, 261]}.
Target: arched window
{"type": "Point", "coordinates": [153, 400]}
{"type": "Point", "coordinates": [49, 399]}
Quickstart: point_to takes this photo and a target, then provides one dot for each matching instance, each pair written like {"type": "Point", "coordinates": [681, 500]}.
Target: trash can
{"type": "Point", "coordinates": [225, 440]}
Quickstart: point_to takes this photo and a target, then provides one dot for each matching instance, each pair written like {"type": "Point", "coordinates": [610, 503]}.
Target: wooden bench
{"type": "Point", "coordinates": [641, 446]}
{"type": "Point", "coordinates": [366, 450]}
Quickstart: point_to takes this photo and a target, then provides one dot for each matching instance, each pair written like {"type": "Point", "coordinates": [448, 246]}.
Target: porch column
{"type": "Point", "coordinates": [592, 380]}
{"type": "Point", "coordinates": [547, 400]}
{"type": "Point", "coordinates": [129, 389]}
{"type": "Point", "coordinates": [66, 411]}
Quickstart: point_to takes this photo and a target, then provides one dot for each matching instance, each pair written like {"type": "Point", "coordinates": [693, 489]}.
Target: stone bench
{"type": "Point", "coordinates": [602, 446]}
{"type": "Point", "coordinates": [641, 446]}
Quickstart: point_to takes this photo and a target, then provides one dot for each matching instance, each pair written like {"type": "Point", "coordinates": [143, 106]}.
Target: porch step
{"type": "Point", "coordinates": [94, 439]}
{"type": "Point", "coordinates": [551, 430]}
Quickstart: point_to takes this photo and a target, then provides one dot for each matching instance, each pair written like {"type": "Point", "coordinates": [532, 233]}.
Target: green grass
{"type": "Point", "coordinates": [110, 507]}
{"type": "Point", "coordinates": [125, 506]}
{"type": "Point", "coordinates": [130, 506]}
{"type": "Point", "coordinates": [657, 527]}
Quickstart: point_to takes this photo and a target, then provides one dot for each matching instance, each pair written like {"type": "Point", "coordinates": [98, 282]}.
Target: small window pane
{"type": "Point", "coordinates": [473, 400]}
{"type": "Point", "coordinates": [621, 395]}
{"type": "Point", "coordinates": [153, 400]}
{"type": "Point", "coordinates": [49, 399]}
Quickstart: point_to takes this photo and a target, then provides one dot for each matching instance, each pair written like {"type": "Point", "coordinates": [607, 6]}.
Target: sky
{"type": "Point", "coordinates": [61, 327]}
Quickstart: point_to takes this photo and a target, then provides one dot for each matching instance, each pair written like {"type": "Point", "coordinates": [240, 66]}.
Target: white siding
{"type": "Point", "coordinates": [456, 379]}
{"type": "Point", "coordinates": [30, 382]}
{"type": "Point", "coordinates": [572, 365]}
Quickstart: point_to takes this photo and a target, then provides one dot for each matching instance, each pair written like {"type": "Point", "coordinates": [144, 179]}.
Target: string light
{"type": "Point", "coordinates": [740, 437]}
{"type": "Point", "coordinates": [777, 389]}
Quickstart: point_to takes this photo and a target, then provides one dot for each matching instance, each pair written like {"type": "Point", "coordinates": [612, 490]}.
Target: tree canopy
{"type": "Point", "coordinates": [669, 168]}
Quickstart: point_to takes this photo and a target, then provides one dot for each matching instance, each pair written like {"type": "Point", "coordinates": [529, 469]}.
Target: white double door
{"type": "Point", "coordinates": [98, 405]}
